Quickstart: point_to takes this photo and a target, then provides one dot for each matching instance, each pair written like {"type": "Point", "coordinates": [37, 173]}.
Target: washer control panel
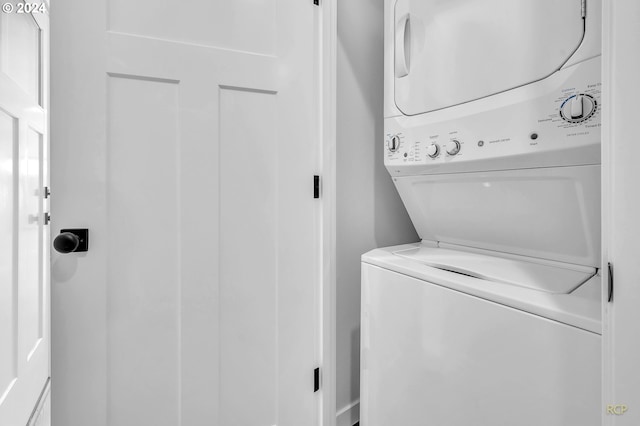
{"type": "Point", "coordinates": [552, 122]}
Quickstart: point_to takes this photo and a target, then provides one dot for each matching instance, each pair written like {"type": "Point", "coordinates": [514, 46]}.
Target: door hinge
{"type": "Point", "coordinates": [46, 192]}
{"type": "Point", "coordinates": [583, 8]}
{"type": "Point", "coordinates": [316, 379]}
{"type": "Point", "coordinates": [47, 218]}
{"type": "Point", "coordinates": [610, 282]}
{"type": "Point", "coordinates": [316, 186]}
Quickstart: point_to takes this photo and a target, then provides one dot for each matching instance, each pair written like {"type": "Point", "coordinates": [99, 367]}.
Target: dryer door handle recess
{"type": "Point", "coordinates": [403, 47]}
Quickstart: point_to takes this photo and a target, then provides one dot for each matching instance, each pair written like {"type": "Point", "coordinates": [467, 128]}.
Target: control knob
{"type": "Point", "coordinates": [433, 150]}
{"type": "Point", "coordinates": [394, 143]}
{"type": "Point", "coordinates": [453, 147]}
{"type": "Point", "coordinates": [578, 108]}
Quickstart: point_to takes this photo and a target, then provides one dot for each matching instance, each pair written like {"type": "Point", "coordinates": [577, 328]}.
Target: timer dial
{"type": "Point", "coordinates": [393, 143]}
{"type": "Point", "coordinates": [578, 108]}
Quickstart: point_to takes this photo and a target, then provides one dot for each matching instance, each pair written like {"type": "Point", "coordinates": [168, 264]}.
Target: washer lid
{"type": "Point", "coordinates": [536, 276]}
{"type": "Point", "coordinates": [447, 52]}
{"type": "Point", "coordinates": [549, 213]}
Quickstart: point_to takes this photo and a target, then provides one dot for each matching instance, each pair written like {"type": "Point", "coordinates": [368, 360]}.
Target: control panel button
{"type": "Point", "coordinates": [453, 147]}
{"type": "Point", "coordinates": [578, 108]}
{"type": "Point", "coordinates": [433, 150]}
{"type": "Point", "coordinates": [394, 143]}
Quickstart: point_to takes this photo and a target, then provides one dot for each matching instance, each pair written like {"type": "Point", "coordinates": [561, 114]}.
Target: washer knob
{"type": "Point", "coordinates": [578, 108]}
{"type": "Point", "coordinates": [453, 147]}
{"type": "Point", "coordinates": [433, 150]}
{"type": "Point", "coordinates": [394, 143]}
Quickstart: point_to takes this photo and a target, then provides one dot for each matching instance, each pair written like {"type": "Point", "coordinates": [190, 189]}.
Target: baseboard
{"type": "Point", "coordinates": [349, 415]}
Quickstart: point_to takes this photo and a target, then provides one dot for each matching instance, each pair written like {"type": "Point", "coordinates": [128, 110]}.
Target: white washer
{"type": "Point", "coordinates": [492, 122]}
{"type": "Point", "coordinates": [446, 349]}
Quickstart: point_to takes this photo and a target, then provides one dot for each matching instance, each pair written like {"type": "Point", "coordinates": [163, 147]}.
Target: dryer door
{"type": "Point", "coordinates": [449, 52]}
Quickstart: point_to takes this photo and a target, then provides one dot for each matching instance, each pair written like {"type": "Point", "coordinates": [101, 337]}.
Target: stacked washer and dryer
{"type": "Point", "coordinates": [492, 123]}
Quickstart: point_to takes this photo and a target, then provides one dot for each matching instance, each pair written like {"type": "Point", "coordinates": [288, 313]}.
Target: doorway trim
{"type": "Point", "coordinates": [328, 71]}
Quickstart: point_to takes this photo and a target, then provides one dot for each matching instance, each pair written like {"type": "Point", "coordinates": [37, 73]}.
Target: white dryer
{"type": "Point", "coordinates": [492, 122]}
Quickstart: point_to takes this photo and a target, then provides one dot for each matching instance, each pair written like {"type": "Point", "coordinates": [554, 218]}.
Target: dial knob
{"type": "Point", "coordinates": [66, 242]}
{"type": "Point", "coordinates": [433, 150]}
{"type": "Point", "coordinates": [453, 147]}
{"type": "Point", "coordinates": [394, 143]}
{"type": "Point", "coordinates": [578, 108]}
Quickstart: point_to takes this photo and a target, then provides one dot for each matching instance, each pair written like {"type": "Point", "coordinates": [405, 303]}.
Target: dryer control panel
{"type": "Point", "coordinates": [552, 122]}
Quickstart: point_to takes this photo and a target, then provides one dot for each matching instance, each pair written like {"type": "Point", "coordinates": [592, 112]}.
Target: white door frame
{"type": "Point", "coordinates": [620, 208]}
{"type": "Point", "coordinates": [329, 39]}
{"type": "Point", "coordinates": [25, 385]}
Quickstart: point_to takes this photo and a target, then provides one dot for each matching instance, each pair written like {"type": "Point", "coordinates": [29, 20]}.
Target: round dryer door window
{"type": "Point", "coordinates": [448, 52]}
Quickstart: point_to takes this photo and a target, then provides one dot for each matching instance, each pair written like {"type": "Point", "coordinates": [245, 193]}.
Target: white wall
{"type": "Point", "coordinates": [369, 212]}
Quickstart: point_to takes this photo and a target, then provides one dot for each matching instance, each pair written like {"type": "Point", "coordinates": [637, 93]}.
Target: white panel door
{"type": "Point", "coordinates": [24, 298]}
{"type": "Point", "coordinates": [185, 139]}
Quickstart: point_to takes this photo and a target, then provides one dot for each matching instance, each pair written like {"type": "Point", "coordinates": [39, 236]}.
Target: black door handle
{"type": "Point", "coordinates": [72, 241]}
{"type": "Point", "coordinates": [66, 242]}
